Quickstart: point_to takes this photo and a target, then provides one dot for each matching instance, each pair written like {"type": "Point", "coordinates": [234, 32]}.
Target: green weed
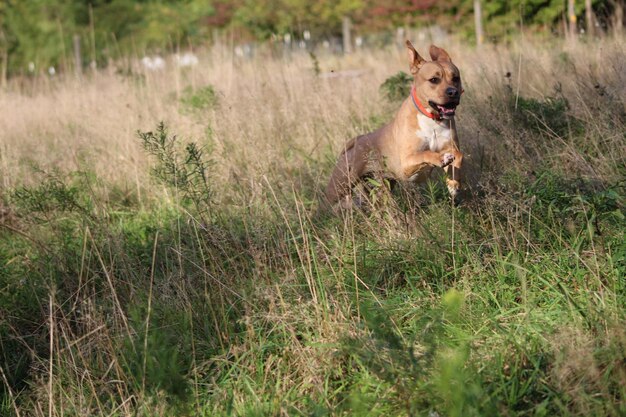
{"type": "Point", "coordinates": [200, 99]}
{"type": "Point", "coordinates": [185, 170]}
{"type": "Point", "coordinates": [397, 87]}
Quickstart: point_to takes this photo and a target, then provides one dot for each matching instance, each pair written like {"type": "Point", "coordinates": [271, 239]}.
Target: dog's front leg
{"type": "Point", "coordinates": [453, 175]}
{"type": "Point", "coordinates": [420, 160]}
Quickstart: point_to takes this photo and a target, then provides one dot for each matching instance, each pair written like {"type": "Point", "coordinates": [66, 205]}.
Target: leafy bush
{"type": "Point", "coordinates": [53, 194]}
{"type": "Point", "coordinates": [155, 358]}
{"type": "Point", "coordinates": [397, 87]}
{"type": "Point", "coordinates": [199, 99]}
{"type": "Point", "coordinates": [184, 170]}
{"type": "Point", "coordinates": [577, 197]}
{"type": "Point", "coordinates": [550, 113]}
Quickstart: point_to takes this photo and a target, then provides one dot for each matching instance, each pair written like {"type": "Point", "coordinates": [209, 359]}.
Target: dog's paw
{"type": "Point", "coordinates": [453, 189]}
{"type": "Point", "coordinates": [455, 194]}
{"type": "Point", "coordinates": [447, 159]}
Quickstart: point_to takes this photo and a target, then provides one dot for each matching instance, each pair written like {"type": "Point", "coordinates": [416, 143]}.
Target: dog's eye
{"type": "Point", "coordinates": [456, 79]}
{"type": "Point", "coordinates": [434, 80]}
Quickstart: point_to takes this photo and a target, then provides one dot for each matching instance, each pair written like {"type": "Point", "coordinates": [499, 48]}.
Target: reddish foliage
{"type": "Point", "coordinates": [224, 11]}
{"type": "Point", "coordinates": [382, 12]}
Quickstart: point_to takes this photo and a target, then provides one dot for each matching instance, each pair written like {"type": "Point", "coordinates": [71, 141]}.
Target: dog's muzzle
{"type": "Point", "coordinates": [445, 111]}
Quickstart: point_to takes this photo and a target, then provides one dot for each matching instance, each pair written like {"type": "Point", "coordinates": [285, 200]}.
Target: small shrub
{"type": "Point", "coordinates": [156, 361]}
{"type": "Point", "coordinates": [185, 170]}
{"type": "Point", "coordinates": [199, 99]}
{"type": "Point", "coordinates": [315, 62]}
{"type": "Point", "coordinates": [576, 196]}
{"type": "Point", "coordinates": [397, 87]}
{"type": "Point", "coordinates": [547, 114]}
{"type": "Point", "coordinates": [53, 194]}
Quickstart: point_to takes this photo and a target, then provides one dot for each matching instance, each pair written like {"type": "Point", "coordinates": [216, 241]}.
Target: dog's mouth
{"type": "Point", "coordinates": [445, 110]}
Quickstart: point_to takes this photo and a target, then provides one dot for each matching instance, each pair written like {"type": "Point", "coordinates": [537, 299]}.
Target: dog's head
{"type": "Point", "coordinates": [437, 82]}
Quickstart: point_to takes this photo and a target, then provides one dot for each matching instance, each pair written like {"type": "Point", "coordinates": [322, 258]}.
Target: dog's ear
{"type": "Point", "coordinates": [439, 54]}
{"type": "Point", "coordinates": [415, 60]}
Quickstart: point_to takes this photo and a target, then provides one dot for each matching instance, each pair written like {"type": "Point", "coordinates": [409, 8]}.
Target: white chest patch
{"type": "Point", "coordinates": [435, 135]}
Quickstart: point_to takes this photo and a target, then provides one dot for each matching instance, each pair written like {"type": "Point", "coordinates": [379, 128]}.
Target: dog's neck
{"type": "Point", "coordinates": [423, 109]}
{"type": "Point", "coordinates": [426, 123]}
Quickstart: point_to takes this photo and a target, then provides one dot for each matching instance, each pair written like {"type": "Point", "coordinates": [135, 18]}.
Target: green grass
{"type": "Point", "coordinates": [512, 304]}
{"type": "Point", "coordinates": [522, 316]}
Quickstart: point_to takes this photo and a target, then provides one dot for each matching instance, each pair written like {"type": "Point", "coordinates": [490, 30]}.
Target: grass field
{"type": "Point", "coordinates": [152, 269]}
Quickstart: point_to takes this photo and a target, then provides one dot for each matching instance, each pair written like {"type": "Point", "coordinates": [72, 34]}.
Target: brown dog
{"type": "Point", "coordinates": [420, 137]}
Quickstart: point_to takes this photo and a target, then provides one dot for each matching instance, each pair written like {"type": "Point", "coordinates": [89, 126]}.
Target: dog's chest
{"type": "Point", "coordinates": [434, 135]}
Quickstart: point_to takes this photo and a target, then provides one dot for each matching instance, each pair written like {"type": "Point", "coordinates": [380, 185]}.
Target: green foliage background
{"type": "Point", "coordinates": [41, 31]}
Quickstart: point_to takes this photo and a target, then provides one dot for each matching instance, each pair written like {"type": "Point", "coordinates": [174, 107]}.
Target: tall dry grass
{"type": "Point", "coordinates": [276, 119]}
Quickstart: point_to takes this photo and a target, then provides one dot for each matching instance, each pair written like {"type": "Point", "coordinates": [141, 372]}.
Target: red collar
{"type": "Point", "coordinates": [421, 107]}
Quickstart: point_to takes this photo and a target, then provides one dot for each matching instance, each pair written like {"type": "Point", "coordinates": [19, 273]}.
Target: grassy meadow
{"type": "Point", "coordinates": [161, 252]}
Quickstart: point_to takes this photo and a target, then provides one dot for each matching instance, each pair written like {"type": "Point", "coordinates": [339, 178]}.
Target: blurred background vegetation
{"type": "Point", "coordinates": [37, 34]}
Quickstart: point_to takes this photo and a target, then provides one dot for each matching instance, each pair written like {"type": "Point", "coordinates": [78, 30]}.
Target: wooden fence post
{"type": "Point", "coordinates": [78, 61]}
{"type": "Point", "coordinates": [92, 32]}
{"type": "Point", "coordinates": [346, 27]}
{"type": "Point", "coordinates": [4, 59]}
{"type": "Point", "coordinates": [571, 18]}
{"type": "Point", "coordinates": [589, 17]}
{"type": "Point", "coordinates": [4, 69]}
{"type": "Point", "coordinates": [618, 17]}
{"type": "Point", "coordinates": [478, 21]}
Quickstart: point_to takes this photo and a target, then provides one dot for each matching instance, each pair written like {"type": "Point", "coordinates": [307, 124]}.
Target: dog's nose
{"type": "Point", "coordinates": [452, 92]}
